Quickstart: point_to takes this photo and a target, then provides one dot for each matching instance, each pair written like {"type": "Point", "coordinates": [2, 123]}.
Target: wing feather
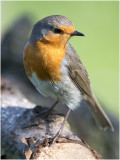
{"type": "Point", "coordinates": [77, 71]}
{"type": "Point", "coordinates": [79, 76]}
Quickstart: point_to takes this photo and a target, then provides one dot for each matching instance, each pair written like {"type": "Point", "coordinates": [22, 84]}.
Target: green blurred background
{"type": "Point", "coordinates": [99, 50]}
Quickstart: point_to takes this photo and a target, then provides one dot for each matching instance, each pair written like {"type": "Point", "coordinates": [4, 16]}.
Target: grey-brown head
{"type": "Point", "coordinates": [54, 29]}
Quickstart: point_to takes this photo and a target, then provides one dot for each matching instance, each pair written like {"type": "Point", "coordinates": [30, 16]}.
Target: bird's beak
{"type": "Point", "coordinates": [76, 33]}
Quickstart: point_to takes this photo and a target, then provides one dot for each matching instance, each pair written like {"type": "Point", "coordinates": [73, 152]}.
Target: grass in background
{"type": "Point", "coordinates": [99, 50]}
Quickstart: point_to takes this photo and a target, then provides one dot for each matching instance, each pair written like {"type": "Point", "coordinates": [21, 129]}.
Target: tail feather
{"type": "Point", "coordinates": [100, 116]}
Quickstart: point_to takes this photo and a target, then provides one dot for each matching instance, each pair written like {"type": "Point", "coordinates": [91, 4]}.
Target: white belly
{"type": "Point", "coordinates": [64, 91]}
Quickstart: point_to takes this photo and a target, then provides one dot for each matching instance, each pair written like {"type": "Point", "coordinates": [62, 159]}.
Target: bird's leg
{"type": "Point", "coordinates": [51, 108]}
{"type": "Point", "coordinates": [61, 128]}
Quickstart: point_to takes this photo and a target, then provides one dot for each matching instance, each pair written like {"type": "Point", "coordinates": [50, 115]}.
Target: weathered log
{"type": "Point", "coordinates": [26, 133]}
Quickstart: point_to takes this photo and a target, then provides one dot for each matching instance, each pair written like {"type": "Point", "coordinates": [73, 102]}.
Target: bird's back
{"type": "Point", "coordinates": [80, 78]}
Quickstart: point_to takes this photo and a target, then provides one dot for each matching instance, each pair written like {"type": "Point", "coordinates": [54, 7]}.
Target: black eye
{"type": "Point", "coordinates": [57, 30]}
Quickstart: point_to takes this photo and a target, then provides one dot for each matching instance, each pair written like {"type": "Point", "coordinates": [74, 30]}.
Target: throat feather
{"type": "Point", "coordinates": [44, 60]}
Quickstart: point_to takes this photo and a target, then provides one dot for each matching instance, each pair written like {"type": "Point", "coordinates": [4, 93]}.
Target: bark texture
{"type": "Point", "coordinates": [26, 133]}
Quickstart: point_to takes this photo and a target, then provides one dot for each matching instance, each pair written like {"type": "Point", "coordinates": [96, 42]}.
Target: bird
{"type": "Point", "coordinates": [56, 70]}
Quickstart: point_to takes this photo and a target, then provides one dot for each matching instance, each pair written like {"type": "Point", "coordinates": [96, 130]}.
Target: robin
{"type": "Point", "coordinates": [55, 69]}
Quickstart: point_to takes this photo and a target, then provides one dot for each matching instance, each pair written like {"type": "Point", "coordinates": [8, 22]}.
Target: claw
{"type": "Point", "coordinates": [60, 130]}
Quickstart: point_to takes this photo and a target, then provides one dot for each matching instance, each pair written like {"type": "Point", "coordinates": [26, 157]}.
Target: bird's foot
{"type": "Point", "coordinates": [55, 138]}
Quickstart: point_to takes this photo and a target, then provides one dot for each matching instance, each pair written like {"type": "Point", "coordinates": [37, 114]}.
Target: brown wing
{"type": "Point", "coordinates": [77, 71]}
{"type": "Point", "coordinates": [79, 76]}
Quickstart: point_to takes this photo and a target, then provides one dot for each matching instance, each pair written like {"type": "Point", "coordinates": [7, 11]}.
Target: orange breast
{"type": "Point", "coordinates": [44, 60]}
